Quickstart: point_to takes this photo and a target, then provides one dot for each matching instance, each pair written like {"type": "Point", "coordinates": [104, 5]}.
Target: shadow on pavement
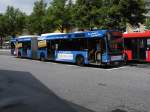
{"type": "Point", "coordinates": [139, 64]}
{"type": "Point", "coordinates": [21, 92]}
{"type": "Point", "coordinates": [69, 63]}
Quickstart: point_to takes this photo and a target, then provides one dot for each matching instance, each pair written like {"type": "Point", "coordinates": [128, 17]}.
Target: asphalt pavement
{"type": "Point", "coordinates": [4, 51]}
{"type": "Point", "coordinates": [88, 88]}
{"type": "Point", "coordinates": [22, 92]}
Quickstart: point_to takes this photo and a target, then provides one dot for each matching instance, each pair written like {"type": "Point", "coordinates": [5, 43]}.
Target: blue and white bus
{"type": "Point", "coordinates": [27, 46]}
{"type": "Point", "coordinates": [89, 47]}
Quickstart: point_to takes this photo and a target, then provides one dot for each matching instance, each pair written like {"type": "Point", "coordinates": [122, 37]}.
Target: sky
{"type": "Point", "coordinates": [24, 5]}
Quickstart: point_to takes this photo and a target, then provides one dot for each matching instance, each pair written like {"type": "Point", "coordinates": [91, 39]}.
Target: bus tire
{"type": "Point", "coordinates": [42, 57]}
{"type": "Point", "coordinates": [80, 60]}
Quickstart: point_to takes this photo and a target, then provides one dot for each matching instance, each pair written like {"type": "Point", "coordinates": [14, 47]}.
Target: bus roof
{"type": "Point", "coordinates": [50, 34]}
{"type": "Point", "coordinates": [85, 34]}
{"type": "Point", "coordinates": [145, 34]}
{"type": "Point", "coordinates": [53, 36]}
{"type": "Point", "coordinates": [26, 37]}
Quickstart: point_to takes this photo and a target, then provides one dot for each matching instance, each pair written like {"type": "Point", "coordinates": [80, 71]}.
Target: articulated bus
{"type": "Point", "coordinates": [90, 47]}
{"type": "Point", "coordinates": [27, 46]}
{"type": "Point", "coordinates": [12, 46]}
{"type": "Point", "coordinates": [137, 46]}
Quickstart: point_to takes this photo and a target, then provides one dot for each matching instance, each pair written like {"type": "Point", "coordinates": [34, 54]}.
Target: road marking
{"type": "Point", "coordinates": [72, 65]}
{"type": "Point", "coordinates": [116, 68]}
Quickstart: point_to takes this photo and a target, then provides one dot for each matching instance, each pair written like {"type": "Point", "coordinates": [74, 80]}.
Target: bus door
{"type": "Point", "coordinates": [51, 49]}
{"type": "Point", "coordinates": [134, 48]}
{"type": "Point", "coordinates": [138, 49]}
{"type": "Point", "coordinates": [99, 50]}
{"type": "Point", "coordinates": [24, 48]}
{"type": "Point", "coordinates": [142, 48]}
{"type": "Point", "coordinates": [95, 48]}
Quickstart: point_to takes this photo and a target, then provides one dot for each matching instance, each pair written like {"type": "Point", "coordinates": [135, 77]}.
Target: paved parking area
{"type": "Point", "coordinates": [21, 92]}
{"type": "Point", "coordinates": [98, 89]}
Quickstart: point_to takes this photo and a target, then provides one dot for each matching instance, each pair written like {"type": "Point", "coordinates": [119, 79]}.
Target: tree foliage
{"type": "Point", "coordinates": [133, 10]}
{"type": "Point", "coordinates": [36, 21]}
{"type": "Point", "coordinates": [65, 15]}
{"type": "Point", "coordinates": [12, 22]}
{"type": "Point", "coordinates": [61, 14]}
{"type": "Point", "coordinates": [112, 14]}
{"type": "Point", "coordinates": [147, 24]}
{"type": "Point", "coordinates": [3, 26]}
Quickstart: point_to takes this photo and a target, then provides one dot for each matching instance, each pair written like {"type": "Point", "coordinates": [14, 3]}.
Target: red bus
{"type": "Point", "coordinates": [137, 46]}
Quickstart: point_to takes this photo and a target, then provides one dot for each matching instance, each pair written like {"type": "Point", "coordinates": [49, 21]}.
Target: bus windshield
{"type": "Point", "coordinates": [115, 42]}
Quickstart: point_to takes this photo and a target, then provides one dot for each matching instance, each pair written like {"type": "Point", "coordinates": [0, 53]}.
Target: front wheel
{"type": "Point", "coordinates": [42, 58]}
{"type": "Point", "coordinates": [80, 60]}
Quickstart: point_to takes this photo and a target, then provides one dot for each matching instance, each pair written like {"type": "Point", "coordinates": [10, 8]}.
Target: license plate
{"type": "Point", "coordinates": [115, 58]}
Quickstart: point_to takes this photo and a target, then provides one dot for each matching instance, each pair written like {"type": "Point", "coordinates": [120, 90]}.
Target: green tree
{"type": "Point", "coordinates": [133, 11]}
{"type": "Point", "coordinates": [14, 21]}
{"type": "Point", "coordinates": [61, 14]}
{"type": "Point", "coordinates": [36, 21]}
{"type": "Point", "coordinates": [3, 27]}
{"type": "Point", "coordinates": [87, 13]}
{"type": "Point", "coordinates": [121, 12]}
{"type": "Point", "coordinates": [110, 14]}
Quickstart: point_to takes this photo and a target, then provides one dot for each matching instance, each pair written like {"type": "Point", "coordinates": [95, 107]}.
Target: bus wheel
{"type": "Point", "coordinates": [80, 60]}
{"type": "Point", "coordinates": [42, 58]}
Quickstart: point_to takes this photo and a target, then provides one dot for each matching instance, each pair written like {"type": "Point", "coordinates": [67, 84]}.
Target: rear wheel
{"type": "Point", "coordinates": [42, 58]}
{"type": "Point", "coordinates": [80, 60]}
